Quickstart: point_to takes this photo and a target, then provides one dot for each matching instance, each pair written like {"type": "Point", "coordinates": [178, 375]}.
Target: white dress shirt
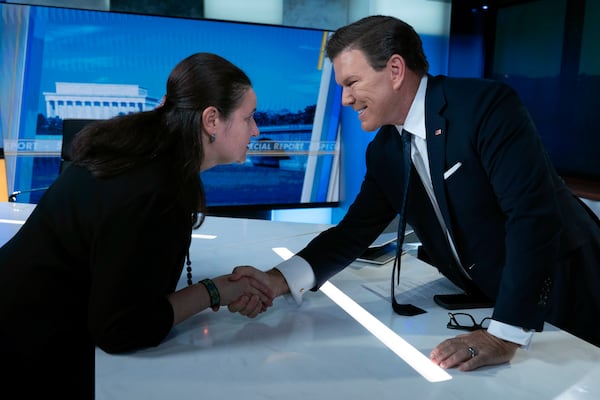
{"type": "Point", "coordinates": [299, 274]}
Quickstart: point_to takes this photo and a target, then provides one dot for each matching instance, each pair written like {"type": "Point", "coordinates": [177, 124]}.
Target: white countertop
{"type": "Point", "coordinates": [318, 351]}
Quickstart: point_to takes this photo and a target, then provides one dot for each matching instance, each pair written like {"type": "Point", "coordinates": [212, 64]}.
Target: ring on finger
{"type": "Point", "coordinates": [472, 351]}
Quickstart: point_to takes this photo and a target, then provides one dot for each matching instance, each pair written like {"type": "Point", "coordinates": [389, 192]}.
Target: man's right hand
{"type": "Point", "coordinates": [272, 279]}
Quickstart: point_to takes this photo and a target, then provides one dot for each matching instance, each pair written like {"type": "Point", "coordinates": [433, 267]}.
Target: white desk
{"type": "Point", "coordinates": [318, 351]}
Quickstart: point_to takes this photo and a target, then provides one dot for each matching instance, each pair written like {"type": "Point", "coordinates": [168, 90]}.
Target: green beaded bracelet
{"type": "Point", "coordinates": [213, 292]}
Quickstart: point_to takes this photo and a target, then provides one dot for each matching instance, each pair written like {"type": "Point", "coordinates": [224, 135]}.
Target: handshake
{"type": "Point", "coordinates": [249, 291]}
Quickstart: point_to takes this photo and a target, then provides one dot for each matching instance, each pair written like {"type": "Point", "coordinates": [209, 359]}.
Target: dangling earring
{"type": "Point", "coordinates": [212, 137]}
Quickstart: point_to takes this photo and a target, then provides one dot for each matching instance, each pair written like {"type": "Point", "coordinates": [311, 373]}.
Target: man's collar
{"type": "Point", "coordinates": [415, 119]}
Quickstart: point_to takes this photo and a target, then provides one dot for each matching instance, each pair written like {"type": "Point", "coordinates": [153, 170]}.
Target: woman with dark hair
{"type": "Point", "coordinates": [98, 261]}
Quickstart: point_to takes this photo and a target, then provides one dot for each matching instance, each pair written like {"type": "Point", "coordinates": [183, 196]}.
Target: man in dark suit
{"type": "Point", "coordinates": [491, 212]}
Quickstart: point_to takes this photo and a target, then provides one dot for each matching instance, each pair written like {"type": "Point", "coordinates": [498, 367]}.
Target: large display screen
{"type": "Point", "coordinates": [60, 63]}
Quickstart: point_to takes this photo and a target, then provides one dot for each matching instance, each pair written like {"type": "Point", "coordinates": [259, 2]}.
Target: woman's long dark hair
{"type": "Point", "coordinates": [174, 130]}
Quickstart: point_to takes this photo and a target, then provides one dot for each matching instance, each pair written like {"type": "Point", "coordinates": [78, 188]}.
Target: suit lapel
{"type": "Point", "coordinates": [435, 126]}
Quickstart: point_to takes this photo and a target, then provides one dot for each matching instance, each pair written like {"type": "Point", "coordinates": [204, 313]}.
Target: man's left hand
{"type": "Point", "coordinates": [473, 350]}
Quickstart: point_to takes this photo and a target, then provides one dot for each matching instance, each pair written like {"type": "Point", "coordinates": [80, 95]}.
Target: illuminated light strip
{"type": "Point", "coordinates": [200, 236]}
{"type": "Point", "coordinates": [413, 357]}
{"type": "Point", "coordinates": [404, 350]}
{"type": "Point", "coordinates": [322, 51]}
{"type": "Point", "coordinates": [11, 221]}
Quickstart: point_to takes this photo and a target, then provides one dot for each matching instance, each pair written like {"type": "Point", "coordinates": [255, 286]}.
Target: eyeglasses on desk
{"type": "Point", "coordinates": [466, 322]}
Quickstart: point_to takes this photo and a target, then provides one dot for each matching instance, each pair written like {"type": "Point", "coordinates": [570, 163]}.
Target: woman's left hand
{"type": "Point", "coordinates": [473, 350]}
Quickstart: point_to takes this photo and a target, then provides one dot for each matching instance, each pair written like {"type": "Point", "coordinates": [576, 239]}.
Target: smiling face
{"type": "Point", "coordinates": [232, 135]}
{"type": "Point", "coordinates": [375, 95]}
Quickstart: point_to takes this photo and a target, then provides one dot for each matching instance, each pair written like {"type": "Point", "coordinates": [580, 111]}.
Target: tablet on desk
{"type": "Point", "coordinates": [380, 254]}
{"type": "Point", "coordinates": [383, 249]}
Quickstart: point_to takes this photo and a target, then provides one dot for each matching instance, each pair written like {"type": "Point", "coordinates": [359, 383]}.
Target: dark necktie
{"type": "Point", "coordinates": [403, 309]}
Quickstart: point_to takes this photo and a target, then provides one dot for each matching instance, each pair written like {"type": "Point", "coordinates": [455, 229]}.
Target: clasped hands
{"type": "Point", "coordinates": [249, 291]}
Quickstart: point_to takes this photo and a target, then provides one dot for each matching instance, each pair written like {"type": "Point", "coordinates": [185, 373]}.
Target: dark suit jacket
{"type": "Point", "coordinates": [510, 215]}
{"type": "Point", "coordinates": [92, 266]}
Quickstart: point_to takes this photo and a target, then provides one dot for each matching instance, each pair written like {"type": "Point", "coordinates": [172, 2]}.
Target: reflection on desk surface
{"type": "Point", "coordinates": [317, 351]}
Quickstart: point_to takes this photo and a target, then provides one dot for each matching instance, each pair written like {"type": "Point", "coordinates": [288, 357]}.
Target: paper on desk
{"type": "Point", "coordinates": [415, 291]}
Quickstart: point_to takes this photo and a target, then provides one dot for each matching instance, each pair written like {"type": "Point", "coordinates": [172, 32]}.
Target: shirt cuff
{"type": "Point", "coordinates": [299, 276]}
{"type": "Point", "coordinates": [510, 333]}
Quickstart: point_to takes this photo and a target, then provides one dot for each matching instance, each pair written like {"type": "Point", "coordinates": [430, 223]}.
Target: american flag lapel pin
{"type": "Point", "coordinates": [438, 132]}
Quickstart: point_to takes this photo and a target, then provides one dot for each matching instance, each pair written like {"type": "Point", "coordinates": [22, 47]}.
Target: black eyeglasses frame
{"type": "Point", "coordinates": [453, 323]}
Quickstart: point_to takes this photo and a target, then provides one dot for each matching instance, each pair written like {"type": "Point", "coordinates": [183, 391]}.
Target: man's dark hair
{"type": "Point", "coordinates": [379, 37]}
